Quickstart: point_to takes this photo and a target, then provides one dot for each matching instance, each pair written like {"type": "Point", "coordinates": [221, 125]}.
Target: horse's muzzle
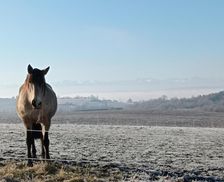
{"type": "Point", "coordinates": [36, 104]}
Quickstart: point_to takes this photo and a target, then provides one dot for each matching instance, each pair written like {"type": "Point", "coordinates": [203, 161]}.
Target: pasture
{"type": "Point", "coordinates": [108, 148]}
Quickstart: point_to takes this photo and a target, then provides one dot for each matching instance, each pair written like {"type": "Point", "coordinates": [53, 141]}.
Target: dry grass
{"type": "Point", "coordinates": [54, 172]}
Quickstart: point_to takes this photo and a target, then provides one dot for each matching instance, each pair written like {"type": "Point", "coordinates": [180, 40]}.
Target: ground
{"type": "Point", "coordinates": [100, 152]}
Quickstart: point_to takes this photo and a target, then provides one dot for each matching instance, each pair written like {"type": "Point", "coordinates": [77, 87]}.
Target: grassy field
{"type": "Point", "coordinates": [117, 153]}
{"type": "Point", "coordinates": [52, 172]}
{"type": "Point", "coordinates": [120, 146]}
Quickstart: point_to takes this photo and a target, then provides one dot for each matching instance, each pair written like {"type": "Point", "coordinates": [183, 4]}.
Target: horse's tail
{"type": "Point", "coordinates": [37, 130]}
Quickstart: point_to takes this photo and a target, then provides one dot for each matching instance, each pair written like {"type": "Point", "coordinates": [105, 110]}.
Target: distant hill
{"type": "Point", "coordinates": [213, 102]}
{"type": "Point", "coordinates": [69, 104]}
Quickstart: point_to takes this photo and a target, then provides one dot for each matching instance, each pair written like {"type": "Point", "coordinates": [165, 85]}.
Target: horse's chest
{"type": "Point", "coordinates": [37, 115]}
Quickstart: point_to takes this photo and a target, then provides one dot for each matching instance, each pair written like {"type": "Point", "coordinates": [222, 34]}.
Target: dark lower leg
{"type": "Point", "coordinates": [29, 141]}
{"type": "Point", "coordinates": [34, 151]}
{"type": "Point", "coordinates": [46, 145]}
{"type": "Point", "coordinates": [42, 148]}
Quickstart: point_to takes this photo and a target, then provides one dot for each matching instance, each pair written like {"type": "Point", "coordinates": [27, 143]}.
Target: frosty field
{"type": "Point", "coordinates": [146, 152]}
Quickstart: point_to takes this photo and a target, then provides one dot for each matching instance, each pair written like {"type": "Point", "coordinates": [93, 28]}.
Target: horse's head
{"type": "Point", "coordinates": [36, 85]}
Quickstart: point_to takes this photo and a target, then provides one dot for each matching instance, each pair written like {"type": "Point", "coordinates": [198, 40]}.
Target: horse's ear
{"type": "Point", "coordinates": [30, 69]}
{"type": "Point", "coordinates": [46, 70]}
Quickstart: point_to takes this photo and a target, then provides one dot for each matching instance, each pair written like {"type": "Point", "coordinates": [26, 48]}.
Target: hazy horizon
{"type": "Point", "coordinates": [114, 49]}
{"type": "Point", "coordinates": [137, 90]}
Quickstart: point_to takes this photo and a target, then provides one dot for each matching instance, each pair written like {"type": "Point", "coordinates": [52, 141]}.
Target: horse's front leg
{"type": "Point", "coordinates": [42, 148]}
{"type": "Point", "coordinates": [29, 142]}
{"type": "Point", "coordinates": [46, 145]}
{"type": "Point", "coordinates": [35, 133]}
{"type": "Point", "coordinates": [34, 151]}
{"type": "Point", "coordinates": [46, 142]}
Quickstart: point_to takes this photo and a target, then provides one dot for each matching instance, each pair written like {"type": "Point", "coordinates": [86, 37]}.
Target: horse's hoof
{"type": "Point", "coordinates": [30, 164]}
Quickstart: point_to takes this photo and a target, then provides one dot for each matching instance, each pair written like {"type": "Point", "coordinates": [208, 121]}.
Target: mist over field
{"type": "Point", "coordinates": [200, 111]}
{"type": "Point", "coordinates": [122, 90]}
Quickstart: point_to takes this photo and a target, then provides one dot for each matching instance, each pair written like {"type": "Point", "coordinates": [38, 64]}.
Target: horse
{"type": "Point", "coordinates": [36, 104]}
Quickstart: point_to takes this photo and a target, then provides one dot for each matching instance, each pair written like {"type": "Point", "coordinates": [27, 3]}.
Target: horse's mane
{"type": "Point", "coordinates": [27, 80]}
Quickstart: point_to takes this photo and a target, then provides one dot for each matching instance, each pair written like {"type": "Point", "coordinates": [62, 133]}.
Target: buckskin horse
{"type": "Point", "coordinates": [36, 104]}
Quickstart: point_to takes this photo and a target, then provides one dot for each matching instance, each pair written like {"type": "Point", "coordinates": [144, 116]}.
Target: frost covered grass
{"type": "Point", "coordinates": [122, 153]}
{"type": "Point", "coordinates": [53, 172]}
{"type": "Point", "coordinates": [14, 171]}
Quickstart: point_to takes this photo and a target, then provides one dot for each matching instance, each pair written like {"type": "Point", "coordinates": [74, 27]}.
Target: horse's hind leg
{"type": "Point", "coordinates": [36, 135]}
{"type": "Point", "coordinates": [45, 146]}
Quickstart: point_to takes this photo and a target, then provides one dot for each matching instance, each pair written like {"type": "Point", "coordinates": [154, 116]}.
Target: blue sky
{"type": "Point", "coordinates": [112, 40]}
